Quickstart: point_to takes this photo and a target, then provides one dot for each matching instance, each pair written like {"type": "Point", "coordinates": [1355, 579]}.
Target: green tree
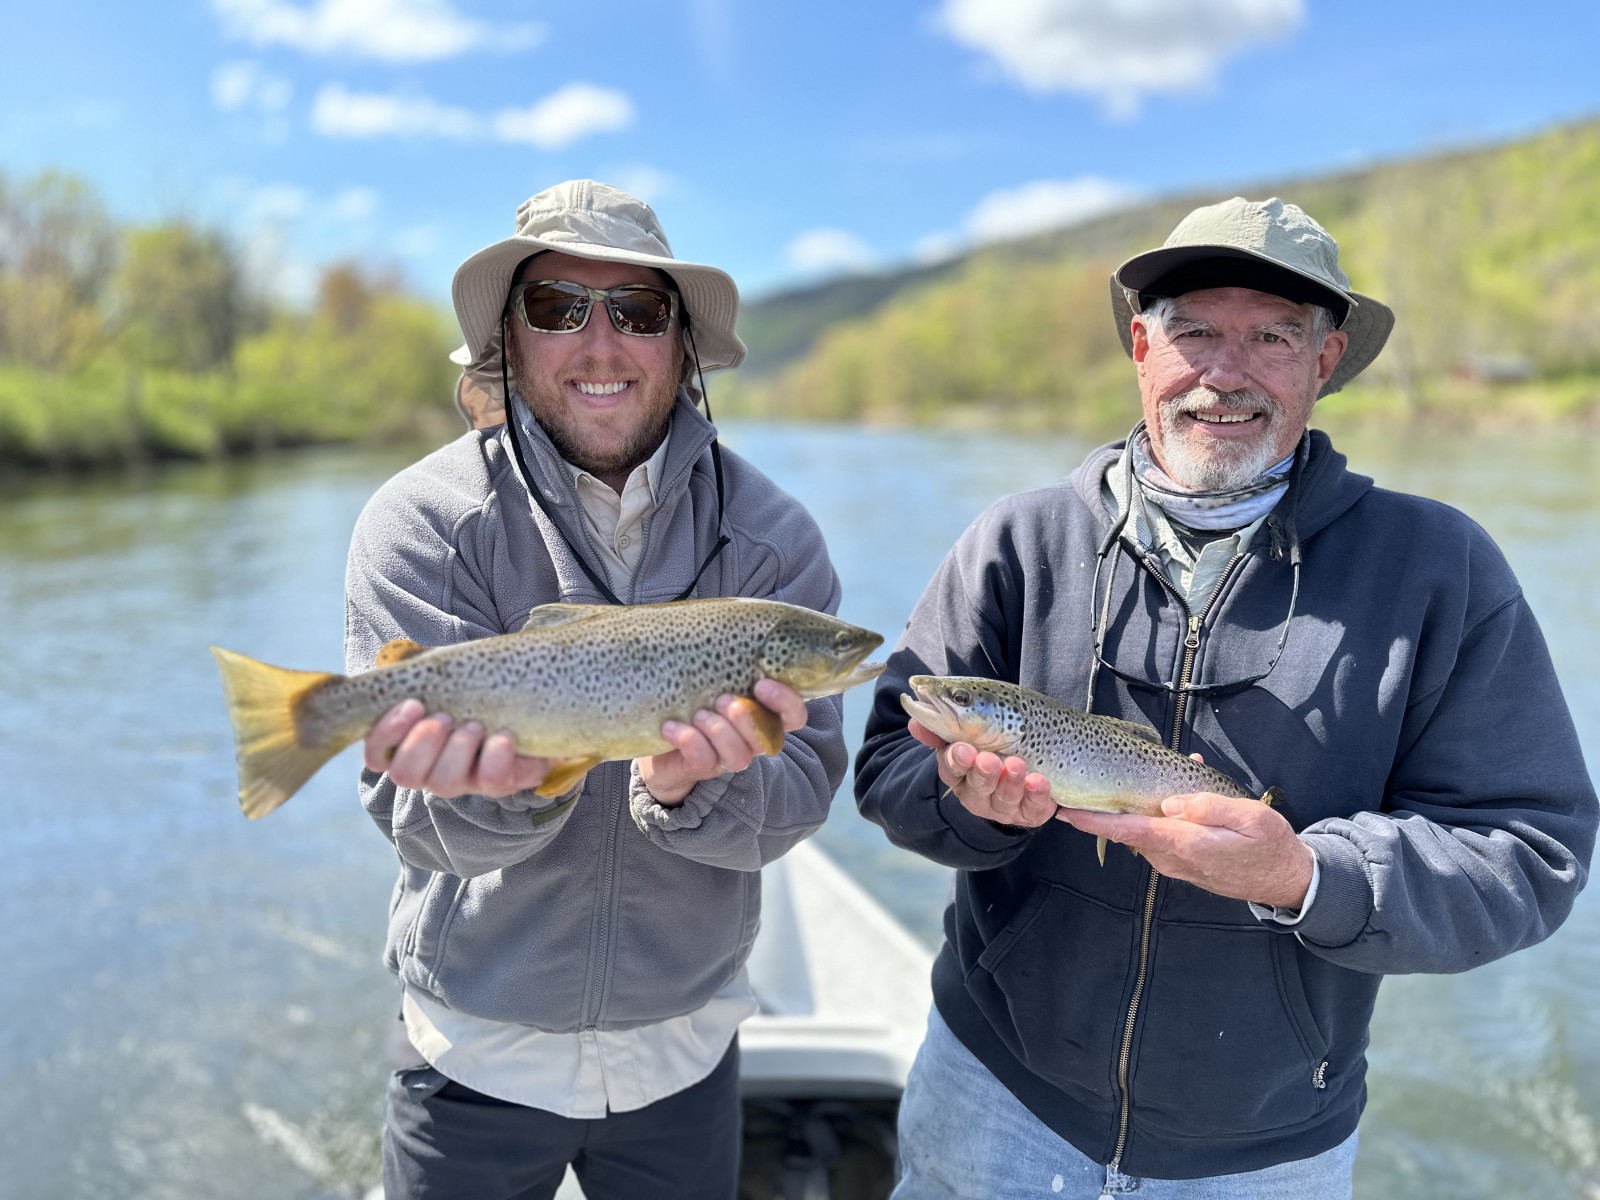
{"type": "Point", "coordinates": [57, 247]}
{"type": "Point", "coordinates": [178, 298]}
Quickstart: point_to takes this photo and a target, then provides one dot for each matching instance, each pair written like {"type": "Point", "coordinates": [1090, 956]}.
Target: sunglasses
{"type": "Point", "coordinates": [557, 306]}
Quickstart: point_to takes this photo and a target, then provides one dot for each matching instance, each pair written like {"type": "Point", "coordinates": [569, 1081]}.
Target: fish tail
{"type": "Point", "coordinates": [264, 703]}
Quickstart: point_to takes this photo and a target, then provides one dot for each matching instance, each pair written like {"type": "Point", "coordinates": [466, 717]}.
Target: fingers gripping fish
{"type": "Point", "coordinates": [1090, 761]}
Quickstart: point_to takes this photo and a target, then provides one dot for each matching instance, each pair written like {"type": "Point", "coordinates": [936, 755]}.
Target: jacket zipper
{"type": "Point", "coordinates": [1191, 646]}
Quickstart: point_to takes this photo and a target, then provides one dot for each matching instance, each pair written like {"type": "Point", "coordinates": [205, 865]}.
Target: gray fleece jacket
{"type": "Point", "coordinates": [1415, 725]}
{"type": "Point", "coordinates": [590, 919]}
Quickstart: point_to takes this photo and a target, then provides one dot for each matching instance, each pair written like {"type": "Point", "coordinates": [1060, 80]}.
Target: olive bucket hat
{"type": "Point", "coordinates": [587, 220]}
{"type": "Point", "coordinates": [1265, 245]}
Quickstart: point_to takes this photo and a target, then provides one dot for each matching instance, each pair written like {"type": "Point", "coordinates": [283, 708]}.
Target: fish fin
{"type": "Point", "coordinates": [769, 725]}
{"type": "Point", "coordinates": [1133, 727]}
{"type": "Point", "coordinates": [564, 776]}
{"type": "Point", "coordinates": [398, 650]}
{"type": "Point", "coordinates": [546, 615]}
{"type": "Point", "coordinates": [1273, 797]}
{"type": "Point", "coordinates": [262, 703]}
{"type": "Point", "coordinates": [1100, 849]}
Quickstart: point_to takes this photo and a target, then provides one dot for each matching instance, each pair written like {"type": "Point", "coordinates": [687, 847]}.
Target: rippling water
{"type": "Point", "coordinates": [193, 1003]}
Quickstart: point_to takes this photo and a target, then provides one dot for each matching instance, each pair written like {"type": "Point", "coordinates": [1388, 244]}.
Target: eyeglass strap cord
{"type": "Point", "coordinates": [1098, 622]}
{"type": "Point", "coordinates": [537, 492]}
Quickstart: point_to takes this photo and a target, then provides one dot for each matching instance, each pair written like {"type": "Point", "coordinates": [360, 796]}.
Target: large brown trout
{"type": "Point", "coordinates": [579, 682]}
{"type": "Point", "coordinates": [1091, 761]}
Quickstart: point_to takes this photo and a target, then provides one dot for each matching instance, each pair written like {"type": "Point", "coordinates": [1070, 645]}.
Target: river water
{"type": "Point", "coordinates": [191, 1003]}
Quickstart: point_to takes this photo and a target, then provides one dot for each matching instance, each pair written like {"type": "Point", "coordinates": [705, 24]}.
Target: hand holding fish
{"type": "Point", "coordinates": [1227, 845]}
{"type": "Point", "coordinates": [419, 750]}
{"type": "Point", "coordinates": [988, 786]}
{"type": "Point", "coordinates": [724, 741]}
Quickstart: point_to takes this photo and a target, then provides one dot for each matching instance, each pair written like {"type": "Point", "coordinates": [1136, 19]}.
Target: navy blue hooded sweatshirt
{"type": "Point", "coordinates": [1414, 724]}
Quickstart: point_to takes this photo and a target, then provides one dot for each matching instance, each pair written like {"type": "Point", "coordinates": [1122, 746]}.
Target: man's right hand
{"type": "Point", "coordinates": [430, 752]}
{"type": "Point", "coordinates": [996, 789]}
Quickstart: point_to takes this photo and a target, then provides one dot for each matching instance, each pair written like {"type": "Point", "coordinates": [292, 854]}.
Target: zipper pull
{"type": "Point", "coordinates": [1192, 642]}
{"type": "Point", "coordinates": [1319, 1077]}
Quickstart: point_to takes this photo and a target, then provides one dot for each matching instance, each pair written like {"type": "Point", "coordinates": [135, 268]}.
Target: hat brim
{"type": "Point", "coordinates": [1366, 327]}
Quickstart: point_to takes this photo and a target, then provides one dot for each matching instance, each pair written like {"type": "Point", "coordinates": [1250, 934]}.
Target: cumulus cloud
{"type": "Point", "coordinates": [829, 250]}
{"type": "Point", "coordinates": [1117, 52]}
{"type": "Point", "coordinates": [353, 204]}
{"type": "Point", "coordinates": [1043, 204]}
{"type": "Point", "coordinates": [1017, 212]}
{"type": "Point", "coordinates": [388, 30]}
{"type": "Point", "coordinates": [337, 112]}
{"type": "Point", "coordinates": [575, 111]}
{"type": "Point", "coordinates": [248, 85]}
{"type": "Point", "coordinates": [562, 117]}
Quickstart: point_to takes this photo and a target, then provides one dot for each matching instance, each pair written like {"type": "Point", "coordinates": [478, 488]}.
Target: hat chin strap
{"type": "Point", "coordinates": [537, 493]}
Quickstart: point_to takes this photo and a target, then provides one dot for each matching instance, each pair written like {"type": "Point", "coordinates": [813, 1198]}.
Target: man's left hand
{"type": "Point", "coordinates": [717, 742]}
{"type": "Point", "coordinates": [1231, 847]}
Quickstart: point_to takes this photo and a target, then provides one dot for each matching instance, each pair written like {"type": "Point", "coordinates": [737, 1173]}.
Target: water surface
{"type": "Point", "coordinates": [195, 1001]}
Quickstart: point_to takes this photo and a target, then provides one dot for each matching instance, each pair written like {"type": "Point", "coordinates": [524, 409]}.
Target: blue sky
{"type": "Point", "coordinates": [782, 142]}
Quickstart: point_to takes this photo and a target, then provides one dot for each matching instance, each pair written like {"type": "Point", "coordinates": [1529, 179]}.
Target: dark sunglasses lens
{"type": "Point", "coordinates": [553, 309]}
{"type": "Point", "coordinates": [644, 312]}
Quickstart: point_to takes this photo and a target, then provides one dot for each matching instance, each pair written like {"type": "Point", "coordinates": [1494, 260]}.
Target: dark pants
{"type": "Point", "coordinates": [443, 1141]}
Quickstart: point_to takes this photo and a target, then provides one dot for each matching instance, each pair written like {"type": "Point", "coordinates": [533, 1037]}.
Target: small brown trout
{"type": "Point", "coordinates": [1091, 761]}
{"type": "Point", "coordinates": [582, 683]}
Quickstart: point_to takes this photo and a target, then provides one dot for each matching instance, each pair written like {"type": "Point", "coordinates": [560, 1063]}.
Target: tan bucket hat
{"type": "Point", "coordinates": [587, 220]}
{"type": "Point", "coordinates": [1262, 244]}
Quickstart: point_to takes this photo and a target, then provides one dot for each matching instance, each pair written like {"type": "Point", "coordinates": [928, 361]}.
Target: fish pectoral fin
{"type": "Point", "coordinates": [1273, 797]}
{"type": "Point", "coordinates": [397, 650]}
{"type": "Point", "coordinates": [546, 615]}
{"type": "Point", "coordinates": [1134, 728]}
{"type": "Point", "coordinates": [565, 775]}
{"type": "Point", "coordinates": [1100, 849]}
{"type": "Point", "coordinates": [769, 725]}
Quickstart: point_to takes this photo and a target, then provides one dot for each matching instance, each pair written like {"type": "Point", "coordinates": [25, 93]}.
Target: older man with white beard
{"type": "Point", "coordinates": [1190, 1020]}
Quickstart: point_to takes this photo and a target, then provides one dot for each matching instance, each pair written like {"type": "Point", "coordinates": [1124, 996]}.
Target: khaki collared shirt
{"type": "Point", "coordinates": [617, 522]}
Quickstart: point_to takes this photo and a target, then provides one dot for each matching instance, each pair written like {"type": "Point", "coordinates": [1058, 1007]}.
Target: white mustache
{"type": "Point", "coordinates": [1198, 398]}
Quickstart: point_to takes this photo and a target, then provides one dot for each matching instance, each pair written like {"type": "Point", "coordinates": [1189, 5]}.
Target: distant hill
{"type": "Point", "coordinates": [1490, 257]}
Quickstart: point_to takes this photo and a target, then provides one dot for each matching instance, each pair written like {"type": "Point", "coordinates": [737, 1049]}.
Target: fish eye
{"type": "Point", "coordinates": [843, 640]}
{"type": "Point", "coordinates": [960, 696]}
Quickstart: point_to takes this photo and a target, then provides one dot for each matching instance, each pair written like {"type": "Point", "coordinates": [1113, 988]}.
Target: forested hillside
{"type": "Point", "coordinates": [1491, 259]}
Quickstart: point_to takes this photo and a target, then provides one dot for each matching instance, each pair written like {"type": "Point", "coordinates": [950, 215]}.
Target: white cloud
{"type": "Point", "coordinates": [390, 30]}
{"type": "Point", "coordinates": [246, 84]}
{"type": "Point", "coordinates": [353, 204]}
{"type": "Point", "coordinates": [418, 241]}
{"type": "Point", "coordinates": [1043, 204]}
{"type": "Point", "coordinates": [1116, 51]}
{"type": "Point", "coordinates": [564, 116]}
{"type": "Point", "coordinates": [276, 203]}
{"type": "Point", "coordinates": [339, 113]}
{"type": "Point", "coordinates": [829, 250]}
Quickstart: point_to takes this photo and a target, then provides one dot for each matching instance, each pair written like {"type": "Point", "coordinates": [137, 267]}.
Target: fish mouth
{"type": "Point", "coordinates": [933, 710]}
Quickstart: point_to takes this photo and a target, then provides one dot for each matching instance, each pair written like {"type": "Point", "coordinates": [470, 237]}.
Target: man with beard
{"type": "Point", "coordinates": [1190, 1020]}
{"type": "Point", "coordinates": [573, 965]}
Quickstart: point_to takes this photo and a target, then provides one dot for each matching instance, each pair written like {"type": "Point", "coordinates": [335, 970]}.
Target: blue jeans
{"type": "Point", "coordinates": [963, 1136]}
